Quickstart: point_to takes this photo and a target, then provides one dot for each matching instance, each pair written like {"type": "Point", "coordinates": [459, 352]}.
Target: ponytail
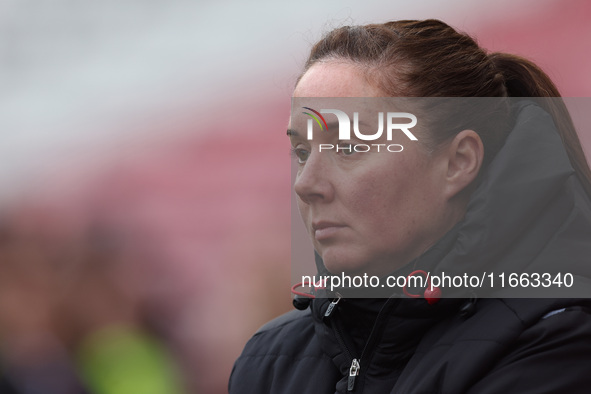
{"type": "Point", "coordinates": [524, 79]}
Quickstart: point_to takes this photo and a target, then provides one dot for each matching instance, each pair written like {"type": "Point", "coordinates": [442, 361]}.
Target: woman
{"type": "Point", "coordinates": [505, 187]}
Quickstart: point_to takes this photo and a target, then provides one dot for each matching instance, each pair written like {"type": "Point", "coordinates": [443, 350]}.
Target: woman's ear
{"type": "Point", "coordinates": [465, 155]}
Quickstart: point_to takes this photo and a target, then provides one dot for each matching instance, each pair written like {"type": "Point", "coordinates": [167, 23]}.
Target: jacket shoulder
{"type": "Point", "coordinates": [283, 356]}
{"type": "Point", "coordinates": [284, 336]}
{"type": "Point", "coordinates": [289, 318]}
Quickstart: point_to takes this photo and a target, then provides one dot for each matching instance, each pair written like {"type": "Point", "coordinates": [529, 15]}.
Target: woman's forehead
{"type": "Point", "coordinates": [335, 79]}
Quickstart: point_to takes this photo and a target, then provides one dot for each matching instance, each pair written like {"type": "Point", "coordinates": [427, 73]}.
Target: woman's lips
{"type": "Point", "coordinates": [326, 230]}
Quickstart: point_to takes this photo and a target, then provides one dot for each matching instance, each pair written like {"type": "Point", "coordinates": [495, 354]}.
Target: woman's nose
{"type": "Point", "coordinates": [312, 182]}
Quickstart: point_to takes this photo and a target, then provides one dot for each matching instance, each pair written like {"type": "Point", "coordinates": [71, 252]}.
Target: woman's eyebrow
{"type": "Point", "coordinates": [292, 133]}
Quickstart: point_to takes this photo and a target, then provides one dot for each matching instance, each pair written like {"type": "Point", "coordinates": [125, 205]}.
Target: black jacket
{"type": "Point", "coordinates": [538, 221]}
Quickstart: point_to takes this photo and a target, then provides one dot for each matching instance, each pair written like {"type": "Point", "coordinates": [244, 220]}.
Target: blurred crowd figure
{"type": "Point", "coordinates": [149, 278]}
{"type": "Point", "coordinates": [73, 316]}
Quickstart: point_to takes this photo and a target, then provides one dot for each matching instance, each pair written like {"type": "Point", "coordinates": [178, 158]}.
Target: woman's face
{"type": "Point", "coordinates": [369, 212]}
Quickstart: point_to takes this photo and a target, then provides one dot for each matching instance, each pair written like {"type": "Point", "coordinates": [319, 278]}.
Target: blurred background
{"type": "Point", "coordinates": [145, 174]}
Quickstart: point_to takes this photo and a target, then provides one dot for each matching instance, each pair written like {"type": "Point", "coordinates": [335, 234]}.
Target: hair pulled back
{"type": "Point", "coordinates": [431, 59]}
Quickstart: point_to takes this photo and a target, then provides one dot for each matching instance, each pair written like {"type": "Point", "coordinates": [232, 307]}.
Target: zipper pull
{"type": "Point", "coordinates": [332, 305]}
{"type": "Point", "coordinates": [353, 372]}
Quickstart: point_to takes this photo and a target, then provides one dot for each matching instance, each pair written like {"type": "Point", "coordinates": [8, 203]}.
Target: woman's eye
{"type": "Point", "coordinates": [301, 154]}
{"type": "Point", "coordinates": [346, 149]}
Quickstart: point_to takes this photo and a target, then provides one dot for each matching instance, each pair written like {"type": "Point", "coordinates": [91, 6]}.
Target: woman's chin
{"type": "Point", "coordinates": [345, 266]}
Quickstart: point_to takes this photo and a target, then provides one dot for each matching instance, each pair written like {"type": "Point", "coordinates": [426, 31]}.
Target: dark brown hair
{"type": "Point", "coordinates": [431, 59]}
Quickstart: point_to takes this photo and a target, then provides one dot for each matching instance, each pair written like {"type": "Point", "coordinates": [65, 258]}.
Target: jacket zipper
{"type": "Point", "coordinates": [332, 306]}
{"type": "Point", "coordinates": [355, 368]}
{"type": "Point", "coordinates": [353, 373]}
